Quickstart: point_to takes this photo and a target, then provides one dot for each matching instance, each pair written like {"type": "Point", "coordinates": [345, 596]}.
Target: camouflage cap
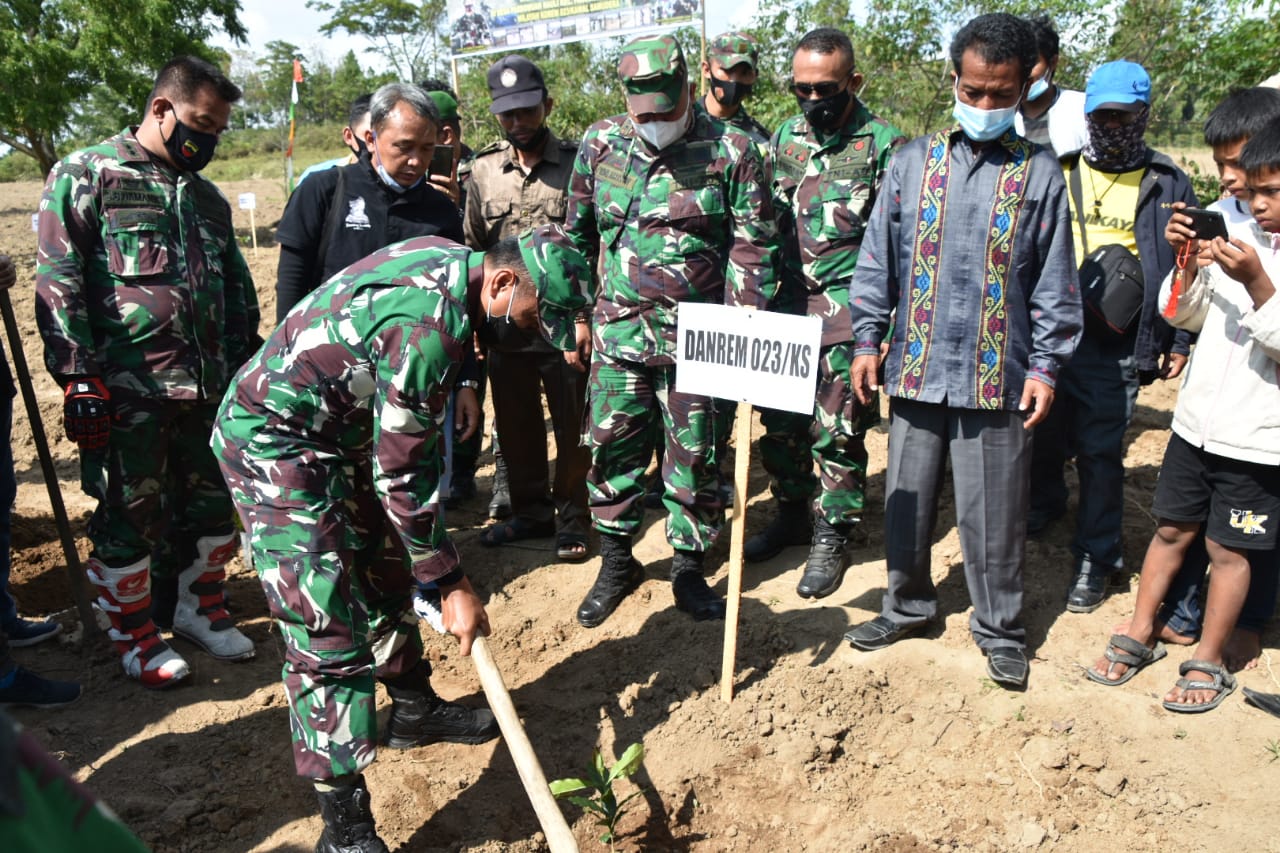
{"type": "Point", "coordinates": [734, 49]}
{"type": "Point", "coordinates": [561, 275]}
{"type": "Point", "coordinates": [653, 71]}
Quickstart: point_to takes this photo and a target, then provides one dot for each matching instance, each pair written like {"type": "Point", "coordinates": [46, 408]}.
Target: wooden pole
{"type": "Point", "coordinates": [559, 837]}
{"type": "Point", "coordinates": [253, 232]}
{"type": "Point", "coordinates": [75, 574]}
{"type": "Point", "coordinates": [741, 467]}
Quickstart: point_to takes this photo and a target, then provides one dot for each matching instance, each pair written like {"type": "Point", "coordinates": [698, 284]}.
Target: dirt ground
{"type": "Point", "coordinates": [823, 748]}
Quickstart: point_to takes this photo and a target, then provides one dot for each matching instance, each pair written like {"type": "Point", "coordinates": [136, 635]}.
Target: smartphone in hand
{"type": "Point", "coordinates": [442, 162]}
{"type": "Point", "coordinates": [1207, 224]}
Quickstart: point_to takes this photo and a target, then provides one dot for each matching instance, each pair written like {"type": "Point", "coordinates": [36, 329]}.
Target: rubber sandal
{"type": "Point", "coordinates": [506, 532]}
{"type": "Point", "coordinates": [1224, 683]}
{"type": "Point", "coordinates": [1126, 650]}
{"type": "Point", "coordinates": [572, 548]}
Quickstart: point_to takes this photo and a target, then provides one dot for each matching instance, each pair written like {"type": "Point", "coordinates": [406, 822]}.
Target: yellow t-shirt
{"type": "Point", "coordinates": [1110, 206]}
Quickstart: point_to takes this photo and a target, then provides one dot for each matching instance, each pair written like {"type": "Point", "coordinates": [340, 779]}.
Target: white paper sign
{"type": "Point", "coordinates": [761, 357]}
{"type": "Point", "coordinates": [248, 201]}
{"type": "Point", "coordinates": [35, 222]}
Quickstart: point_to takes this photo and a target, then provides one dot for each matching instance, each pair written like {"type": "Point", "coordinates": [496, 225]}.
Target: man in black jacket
{"type": "Point", "coordinates": [339, 216]}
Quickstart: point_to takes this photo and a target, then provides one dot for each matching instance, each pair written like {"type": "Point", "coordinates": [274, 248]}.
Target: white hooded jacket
{"type": "Point", "coordinates": [1229, 403]}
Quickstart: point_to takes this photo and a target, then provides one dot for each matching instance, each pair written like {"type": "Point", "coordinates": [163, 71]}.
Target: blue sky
{"type": "Point", "coordinates": [292, 21]}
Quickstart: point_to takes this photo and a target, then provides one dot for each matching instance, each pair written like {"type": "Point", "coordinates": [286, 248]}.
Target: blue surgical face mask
{"type": "Point", "coordinates": [983, 125]}
{"type": "Point", "coordinates": [1039, 87]}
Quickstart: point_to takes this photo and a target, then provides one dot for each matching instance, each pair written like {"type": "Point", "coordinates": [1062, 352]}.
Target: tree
{"type": "Point", "coordinates": [59, 55]}
{"type": "Point", "coordinates": [408, 35]}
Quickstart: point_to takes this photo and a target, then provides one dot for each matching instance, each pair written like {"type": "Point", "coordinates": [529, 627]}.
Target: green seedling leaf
{"type": "Point", "coordinates": [629, 762]}
{"type": "Point", "coordinates": [560, 787]}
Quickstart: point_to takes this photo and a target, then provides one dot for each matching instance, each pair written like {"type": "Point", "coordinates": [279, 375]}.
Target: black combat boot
{"type": "Point", "coordinates": [419, 716]}
{"type": "Point", "coordinates": [827, 560]}
{"type": "Point", "coordinates": [500, 503]}
{"type": "Point", "coordinates": [693, 596]}
{"type": "Point", "coordinates": [793, 525]}
{"type": "Point", "coordinates": [620, 575]}
{"type": "Point", "coordinates": [348, 821]}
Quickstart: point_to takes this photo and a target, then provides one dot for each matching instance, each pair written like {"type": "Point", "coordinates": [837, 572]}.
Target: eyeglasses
{"type": "Point", "coordinates": [1120, 117]}
{"type": "Point", "coordinates": [822, 90]}
{"type": "Point", "coordinates": [1265, 192]}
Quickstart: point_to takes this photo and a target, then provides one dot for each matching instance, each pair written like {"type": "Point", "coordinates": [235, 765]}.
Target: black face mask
{"type": "Point", "coordinates": [535, 143]}
{"type": "Point", "coordinates": [361, 150]}
{"type": "Point", "coordinates": [729, 93]}
{"type": "Point", "coordinates": [824, 113]}
{"type": "Point", "coordinates": [191, 150]}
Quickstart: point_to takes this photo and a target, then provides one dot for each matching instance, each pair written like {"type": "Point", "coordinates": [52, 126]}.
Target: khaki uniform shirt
{"type": "Point", "coordinates": [504, 199]}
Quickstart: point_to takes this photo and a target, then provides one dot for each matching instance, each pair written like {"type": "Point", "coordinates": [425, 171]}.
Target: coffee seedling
{"type": "Point", "coordinates": [599, 782]}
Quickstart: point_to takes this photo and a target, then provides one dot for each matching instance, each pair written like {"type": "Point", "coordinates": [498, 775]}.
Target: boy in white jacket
{"type": "Point", "coordinates": [1221, 469]}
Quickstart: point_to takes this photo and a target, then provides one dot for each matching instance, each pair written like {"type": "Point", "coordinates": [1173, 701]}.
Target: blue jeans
{"type": "Point", "coordinates": [8, 492]}
{"type": "Point", "coordinates": [1183, 611]}
{"type": "Point", "coordinates": [1095, 397]}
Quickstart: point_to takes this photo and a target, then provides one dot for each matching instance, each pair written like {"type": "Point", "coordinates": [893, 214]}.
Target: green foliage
{"type": "Point", "coordinates": [1273, 748]}
{"type": "Point", "coordinates": [63, 59]}
{"type": "Point", "coordinates": [411, 36]}
{"type": "Point", "coordinates": [599, 782]}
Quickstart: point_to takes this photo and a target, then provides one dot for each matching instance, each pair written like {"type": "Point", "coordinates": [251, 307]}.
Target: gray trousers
{"type": "Point", "coordinates": [990, 462]}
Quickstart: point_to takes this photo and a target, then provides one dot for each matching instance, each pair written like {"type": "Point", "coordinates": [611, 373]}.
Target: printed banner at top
{"type": "Point", "coordinates": [478, 27]}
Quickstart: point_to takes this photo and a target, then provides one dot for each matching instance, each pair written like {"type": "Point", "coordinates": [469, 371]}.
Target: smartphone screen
{"type": "Point", "coordinates": [1207, 223]}
{"type": "Point", "coordinates": [442, 161]}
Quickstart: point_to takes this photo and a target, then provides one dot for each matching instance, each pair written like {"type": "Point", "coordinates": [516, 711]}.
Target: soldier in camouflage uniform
{"type": "Point", "coordinates": [730, 70]}
{"type": "Point", "coordinates": [146, 308]}
{"type": "Point", "coordinates": [679, 207]}
{"type": "Point", "coordinates": [330, 440]}
{"type": "Point", "coordinates": [827, 167]}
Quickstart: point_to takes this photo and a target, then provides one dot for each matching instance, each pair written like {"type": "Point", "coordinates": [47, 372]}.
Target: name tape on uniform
{"type": "Point", "coordinates": [248, 201]}
{"type": "Point", "coordinates": [761, 357]}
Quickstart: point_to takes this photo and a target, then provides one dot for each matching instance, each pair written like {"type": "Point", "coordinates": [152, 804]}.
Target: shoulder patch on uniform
{"type": "Point", "coordinates": [131, 151]}
{"type": "Point", "coordinates": [77, 171]}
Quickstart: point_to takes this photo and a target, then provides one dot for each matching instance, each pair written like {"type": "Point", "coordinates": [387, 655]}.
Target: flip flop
{"type": "Point", "coordinates": [506, 532]}
{"type": "Point", "coordinates": [572, 547]}
{"type": "Point", "coordinates": [1126, 650]}
{"type": "Point", "coordinates": [1224, 683]}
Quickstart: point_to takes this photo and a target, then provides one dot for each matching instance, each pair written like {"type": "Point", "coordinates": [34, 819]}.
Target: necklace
{"type": "Point", "coordinates": [1097, 199]}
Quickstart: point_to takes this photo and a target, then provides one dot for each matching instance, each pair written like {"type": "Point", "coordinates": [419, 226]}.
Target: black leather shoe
{"type": "Point", "coordinates": [430, 719]}
{"type": "Point", "coordinates": [1008, 667]}
{"type": "Point", "coordinates": [607, 592]}
{"type": "Point", "coordinates": [462, 488]}
{"type": "Point", "coordinates": [348, 822]}
{"type": "Point", "coordinates": [792, 525]}
{"type": "Point", "coordinates": [1088, 590]}
{"type": "Point", "coordinates": [880, 633]}
{"type": "Point", "coordinates": [694, 597]}
{"type": "Point", "coordinates": [827, 562]}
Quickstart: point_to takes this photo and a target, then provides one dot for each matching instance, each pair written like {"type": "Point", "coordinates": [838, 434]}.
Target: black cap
{"type": "Point", "coordinates": [515, 83]}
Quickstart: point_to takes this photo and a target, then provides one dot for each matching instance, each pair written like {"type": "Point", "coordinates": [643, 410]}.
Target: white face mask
{"type": "Point", "coordinates": [660, 134]}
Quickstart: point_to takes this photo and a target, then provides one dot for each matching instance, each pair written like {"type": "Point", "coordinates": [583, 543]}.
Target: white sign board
{"type": "Point", "coordinates": [761, 357]}
{"type": "Point", "coordinates": [35, 222]}
{"type": "Point", "coordinates": [248, 201]}
{"type": "Point", "coordinates": [492, 26]}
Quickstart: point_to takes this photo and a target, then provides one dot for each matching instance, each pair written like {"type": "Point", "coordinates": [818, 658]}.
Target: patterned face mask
{"type": "Point", "coordinates": [1117, 148]}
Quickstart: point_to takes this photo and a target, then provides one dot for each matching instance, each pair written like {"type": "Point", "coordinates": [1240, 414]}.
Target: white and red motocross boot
{"type": "Point", "coordinates": [201, 615]}
{"type": "Point", "coordinates": [124, 595]}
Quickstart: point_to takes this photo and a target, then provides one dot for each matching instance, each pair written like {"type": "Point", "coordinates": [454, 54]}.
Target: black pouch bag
{"type": "Point", "coordinates": [1112, 288]}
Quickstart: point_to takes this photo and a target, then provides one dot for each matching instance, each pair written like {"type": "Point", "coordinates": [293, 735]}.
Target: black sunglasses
{"type": "Point", "coordinates": [822, 90]}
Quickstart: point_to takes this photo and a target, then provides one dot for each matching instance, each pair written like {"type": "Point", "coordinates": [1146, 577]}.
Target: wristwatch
{"type": "Point", "coordinates": [469, 383]}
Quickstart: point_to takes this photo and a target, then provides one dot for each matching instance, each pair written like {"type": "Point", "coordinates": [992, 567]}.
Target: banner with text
{"type": "Point", "coordinates": [761, 357]}
{"type": "Point", "coordinates": [507, 25]}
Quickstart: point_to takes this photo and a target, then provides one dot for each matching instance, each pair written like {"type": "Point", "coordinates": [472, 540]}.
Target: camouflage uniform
{"type": "Point", "coordinates": [140, 282]}
{"type": "Point", "coordinates": [824, 186]}
{"type": "Point", "coordinates": [690, 223]}
{"type": "Point", "coordinates": [331, 442]}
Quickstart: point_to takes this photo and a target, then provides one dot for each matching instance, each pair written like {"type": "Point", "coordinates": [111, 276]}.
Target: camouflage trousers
{"type": "Point", "coordinates": [831, 438]}
{"type": "Point", "coordinates": [345, 613]}
{"type": "Point", "coordinates": [157, 485]}
{"type": "Point", "coordinates": [632, 407]}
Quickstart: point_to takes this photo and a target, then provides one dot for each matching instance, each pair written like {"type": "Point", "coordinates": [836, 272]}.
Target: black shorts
{"type": "Point", "coordinates": [1238, 502]}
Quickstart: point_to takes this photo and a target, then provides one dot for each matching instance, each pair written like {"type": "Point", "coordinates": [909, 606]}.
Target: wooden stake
{"type": "Point", "coordinates": [559, 837]}
{"type": "Point", "coordinates": [253, 233]}
{"type": "Point", "coordinates": [741, 467]}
